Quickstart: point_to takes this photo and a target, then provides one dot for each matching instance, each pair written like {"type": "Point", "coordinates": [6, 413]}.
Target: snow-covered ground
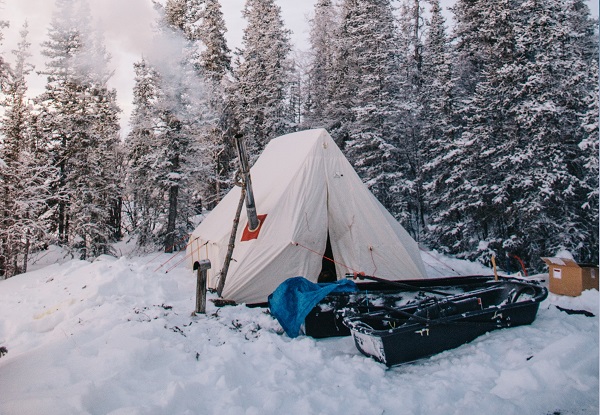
{"type": "Point", "coordinates": [116, 336]}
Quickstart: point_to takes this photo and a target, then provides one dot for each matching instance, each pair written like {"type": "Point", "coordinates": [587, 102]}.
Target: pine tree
{"type": "Point", "coordinates": [367, 91]}
{"type": "Point", "coordinates": [144, 203]}
{"type": "Point", "coordinates": [584, 39]}
{"type": "Point", "coordinates": [515, 182]}
{"type": "Point", "coordinates": [97, 213]}
{"type": "Point", "coordinates": [258, 95]}
{"type": "Point", "coordinates": [296, 93]}
{"type": "Point", "coordinates": [3, 64]}
{"type": "Point", "coordinates": [215, 58]}
{"type": "Point", "coordinates": [23, 181]}
{"type": "Point", "coordinates": [324, 27]}
{"type": "Point", "coordinates": [437, 108]}
{"type": "Point", "coordinates": [215, 66]}
{"type": "Point", "coordinates": [413, 142]}
{"type": "Point", "coordinates": [547, 178]}
{"type": "Point", "coordinates": [78, 120]}
{"type": "Point", "coordinates": [167, 154]}
{"type": "Point", "coordinates": [175, 15]}
{"type": "Point", "coordinates": [469, 216]}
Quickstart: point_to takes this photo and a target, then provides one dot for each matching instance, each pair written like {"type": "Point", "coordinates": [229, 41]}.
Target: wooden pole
{"type": "Point", "coordinates": [202, 268]}
{"type": "Point", "coordinates": [231, 246]}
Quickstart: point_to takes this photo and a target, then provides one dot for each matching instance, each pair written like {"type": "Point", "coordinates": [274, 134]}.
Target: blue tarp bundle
{"type": "Point", "coordinates": [291, 302]}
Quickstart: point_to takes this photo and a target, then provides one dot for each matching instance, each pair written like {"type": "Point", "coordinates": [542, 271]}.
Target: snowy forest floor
{"type": "Point", "coordinates": [117, 337]}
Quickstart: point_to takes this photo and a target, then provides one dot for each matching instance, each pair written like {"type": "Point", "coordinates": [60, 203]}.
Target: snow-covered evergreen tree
{"type": "Point", "coordinates": [215, 57]}
{"type": "Point", "coordinates": [324, 27]}
{"type": "Point", "coordinates": [546, 179]}
{"type": "Point", "coordinates": [472, 187]}
{"type": "Point", "coordinates": [258, 94]}
{"type": "Point", "coordinates": [78, 120]}
{"type": "Point", "coordinates": [23, 179]}
{"type": "Point", "coordinates": [168, 153]}
{"type": "Point", "coordinates": [515, 182]}
{"type": "Point", "coordinates": [367, 90]}
{"type": "Point", "coordinates": [179, 112]}
{"type": "Point", "coordinates": [143, 204]}
{"type": "Point", "coordinates": [174, 13]}
{"type": "Point", "coordinates": [3, 64]}
{"type": "Point", "coordinates": [584, 39]}
{"type": "Point", "coordinates": [410, 199]}
{"type": "Point", "coordinates": [437, 106]}
{"type": "Point", "coordinates": [215, 66]}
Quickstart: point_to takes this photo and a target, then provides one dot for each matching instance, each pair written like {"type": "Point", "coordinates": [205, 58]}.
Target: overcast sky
{"type": "Point", "coordinates": [127, 26]}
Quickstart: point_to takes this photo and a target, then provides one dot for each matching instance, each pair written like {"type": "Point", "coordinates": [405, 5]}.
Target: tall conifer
{"type": "Point", "coordinates": [78, 120]}
{"type": "Point", "coordinates": [367, 89]}
{"type": "Point", "coordinates": [259, 93]}
{"type": "Point", "coordinates": [23, 183]}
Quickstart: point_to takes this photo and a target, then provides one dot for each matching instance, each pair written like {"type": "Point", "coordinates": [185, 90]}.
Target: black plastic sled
{"type": "Point", "coordinates": [400, 321]}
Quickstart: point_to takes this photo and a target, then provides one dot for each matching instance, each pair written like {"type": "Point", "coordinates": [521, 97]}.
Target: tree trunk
{"type": "Point", "coordinates": [115, 218]}
{"type": "Point", "coordinates": [26, 253]}
{"type": "Point", "coordinates": [172, 220]}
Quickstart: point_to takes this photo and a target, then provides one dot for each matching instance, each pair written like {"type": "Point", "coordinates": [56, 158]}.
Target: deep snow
{"type": "Point", "coordinates": [116, 336]}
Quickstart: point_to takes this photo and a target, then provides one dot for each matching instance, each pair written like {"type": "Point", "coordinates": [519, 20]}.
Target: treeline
{"type": "Point", "coordinates": [481, 140]}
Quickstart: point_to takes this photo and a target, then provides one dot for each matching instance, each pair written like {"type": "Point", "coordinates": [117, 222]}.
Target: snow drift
{"type": "Point", "coordinates": [115, 337]}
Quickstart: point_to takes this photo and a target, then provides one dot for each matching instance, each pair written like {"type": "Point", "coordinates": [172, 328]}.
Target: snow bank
{"type": "Point", "coordinates": [115, 337]}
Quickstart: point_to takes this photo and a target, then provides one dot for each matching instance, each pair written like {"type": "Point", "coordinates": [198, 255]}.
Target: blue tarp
{"type": "Point", "coordinates": [291, 302]}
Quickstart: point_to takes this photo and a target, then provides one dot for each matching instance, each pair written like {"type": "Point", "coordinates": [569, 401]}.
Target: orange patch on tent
{"type": "Point", "coordinates": [248, 235]}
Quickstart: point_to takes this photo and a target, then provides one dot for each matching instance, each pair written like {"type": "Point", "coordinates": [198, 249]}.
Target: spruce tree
{"type": "Point", "coordinates": [258, 94]}
{"type": "Point", "coordinates": [367, 90]}
{"type": "Point", "coordinates": [516, 183]}
{"type": "Point", "coordinates": [437, 108]}
{"type": "Point", "coordinates": [24, 175]}
{"type": "Point", "coordinates": [166, 144]}
{"type": "Point", "coordinates": [413, 142]}
{"type": "Point", "coordinates": [78, 121]}
{"type": "Point", "coordinates": [3, 64]}
{"type": "Point", "coordinates": [177, 123]}
{"type": "Point", "coordinates": [215, 66]}
{"type": "Point", "coordinates": [215, 58]}
{"type": "Point", "coordinates": [324, 27]}
{"type": "Point", "coordinates": [143, 204]}
{"type": "Point", "coordinates": [547, 177]}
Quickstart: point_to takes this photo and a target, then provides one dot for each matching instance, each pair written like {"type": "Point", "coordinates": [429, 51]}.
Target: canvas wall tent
{"type": "Point", "coordinates": [308, 190]}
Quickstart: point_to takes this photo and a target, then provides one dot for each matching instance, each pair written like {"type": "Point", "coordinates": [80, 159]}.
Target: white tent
{"type": "Point", "coordinates": [307, 189]}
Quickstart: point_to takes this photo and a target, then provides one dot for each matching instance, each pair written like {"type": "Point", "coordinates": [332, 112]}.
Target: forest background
{"type": "Point", "coordinates": [481, 138]}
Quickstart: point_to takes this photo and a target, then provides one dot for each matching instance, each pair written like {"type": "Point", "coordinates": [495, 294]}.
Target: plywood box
{"type": "Point", "coordinates": [567, 277]}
